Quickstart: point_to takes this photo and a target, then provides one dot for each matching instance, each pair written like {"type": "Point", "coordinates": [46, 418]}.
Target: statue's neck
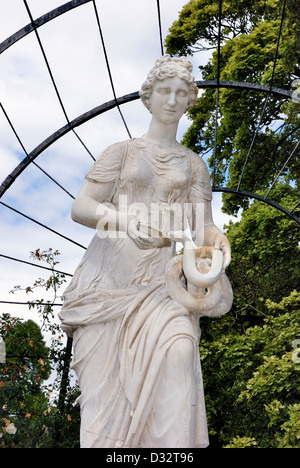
{"type": "Point", "coordinates": [161, 134]}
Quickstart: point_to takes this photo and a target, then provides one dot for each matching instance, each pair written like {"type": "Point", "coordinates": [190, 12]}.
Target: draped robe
{"type": "Point", "coordinates": [122, 319]}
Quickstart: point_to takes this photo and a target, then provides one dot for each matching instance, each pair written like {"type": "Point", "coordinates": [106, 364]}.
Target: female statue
{"type": "Point", "coordinates": [130, 308]}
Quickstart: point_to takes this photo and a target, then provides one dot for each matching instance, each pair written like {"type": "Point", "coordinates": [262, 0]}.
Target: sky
{"type": "Point", "coordinates": [73, 46]}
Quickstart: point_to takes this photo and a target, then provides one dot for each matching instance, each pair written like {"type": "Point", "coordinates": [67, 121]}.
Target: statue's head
{"type": "Point", "coordinates": [170, 67]}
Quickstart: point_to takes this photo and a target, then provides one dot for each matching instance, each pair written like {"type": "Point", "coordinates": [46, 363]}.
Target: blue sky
{"type": "Point", "coordinates": [73, 47]}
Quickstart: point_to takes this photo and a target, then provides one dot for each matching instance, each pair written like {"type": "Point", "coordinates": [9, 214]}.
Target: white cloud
{"type": "Point", "coordinates": [8, 160]}
{"type": "Point", "coordinates": [13, 17]}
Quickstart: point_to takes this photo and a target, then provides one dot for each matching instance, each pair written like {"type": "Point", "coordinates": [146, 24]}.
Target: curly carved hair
{"type": "Point", "coordinates": [169, 67]}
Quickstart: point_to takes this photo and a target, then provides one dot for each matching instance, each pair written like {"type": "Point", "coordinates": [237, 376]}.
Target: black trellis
{"type": "Point", "coordinates": [117, 102]}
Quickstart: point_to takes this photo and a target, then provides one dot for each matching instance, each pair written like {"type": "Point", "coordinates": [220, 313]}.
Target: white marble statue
{"type": "Point", "coordinates": [133, 305]}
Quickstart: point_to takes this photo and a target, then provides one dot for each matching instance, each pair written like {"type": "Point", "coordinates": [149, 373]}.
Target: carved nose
{"type": "Point", "coordinates": [172, 100]}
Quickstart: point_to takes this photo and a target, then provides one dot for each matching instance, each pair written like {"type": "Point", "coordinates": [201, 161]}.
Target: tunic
{"type": "Point", "coordinates": [124, 323]}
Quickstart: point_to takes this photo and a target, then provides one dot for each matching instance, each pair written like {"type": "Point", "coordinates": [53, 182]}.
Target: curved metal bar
{"type": "Point", "coordinates": [108, 65]}
{"type": "Point", "coordinates": [160, 28]}
{"type": "Point", "coordinates": [31, 303]}
{"type": "Point", "coordinates": [60, 133]}
{"type": "Point", "coordinates": [132, 97]}
{"type": "Point", "coordinates": [41, 224]}
{"type": "Point", "coordinates": [76, 3]}
{"type": "Point", "coordinates": [112, 104]}
{"type": "Point", "coordinates": [40, 22]}
{"type": "Point", "coordinates": [245, 85]}
{"type": "Point", "coordinates": [33, 264]}
{"type": "Point", "coordinates": [243, 193]}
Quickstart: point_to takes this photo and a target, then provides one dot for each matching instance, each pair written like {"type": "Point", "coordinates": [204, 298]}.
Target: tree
{"type": "Point", "coordinates": [250, 376]}
{"type": "Point", "coordinates": [265, 253]}
{"type": "Point", "coordinates": [251, 381]}
{"type": "Point", "coordinates": [249, 35]}
{"type": "Point", "coordinates": [22, 399]}
{"type": "Point", "coordinates": [31, 413]}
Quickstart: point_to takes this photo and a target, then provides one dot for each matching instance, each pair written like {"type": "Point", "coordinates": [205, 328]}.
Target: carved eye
{"type": "Point", "coordinates": [182, 93]}
{"type": "Point", "coordinates": [163, 91]}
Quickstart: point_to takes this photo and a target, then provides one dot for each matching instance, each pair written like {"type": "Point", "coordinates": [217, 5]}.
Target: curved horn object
{"type": "Point", "coordinates": [192, 274]}
{"type": "Point", "coordinates": [190, 251]}
{"type": "Point", "coordinates": [215, 302]}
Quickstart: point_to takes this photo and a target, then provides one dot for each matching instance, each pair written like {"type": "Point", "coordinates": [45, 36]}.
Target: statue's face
{"type": "Point", "coordinates": [169, 100]}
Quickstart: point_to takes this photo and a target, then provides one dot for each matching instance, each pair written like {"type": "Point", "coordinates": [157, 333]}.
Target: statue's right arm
{"type": "Point", "coordinates": [88, 208]}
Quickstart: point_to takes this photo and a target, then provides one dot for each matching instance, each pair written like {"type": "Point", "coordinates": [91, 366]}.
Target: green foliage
{"type": "Point", "coordinates": [31, 413]}
{"type": "Point", "coordinates": [266, 253]}
{"type": "Point", "coordinates": [249, 40]}
{"type": "Point", "coordinates": [251, 375]}
{"type": "Point", "coordinates": [242, 442]}
{"type": "Point", "coordinates": [250, 372]}
{"type": "Point", "coordinates": [251, 382]}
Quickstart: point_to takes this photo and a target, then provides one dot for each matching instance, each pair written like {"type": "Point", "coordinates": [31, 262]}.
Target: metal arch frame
{"type": "Point", "coordinates": [135, 96]}
{"type": "Point", "coordinates": [244, 193]}
{"type": "Point", "coordinates": [35, 24]}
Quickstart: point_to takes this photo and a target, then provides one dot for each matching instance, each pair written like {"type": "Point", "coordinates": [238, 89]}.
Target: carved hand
{"type": "Point", "coordinates": [213, 237]}
{"type": "Point", "coordinates": [145, 236]}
